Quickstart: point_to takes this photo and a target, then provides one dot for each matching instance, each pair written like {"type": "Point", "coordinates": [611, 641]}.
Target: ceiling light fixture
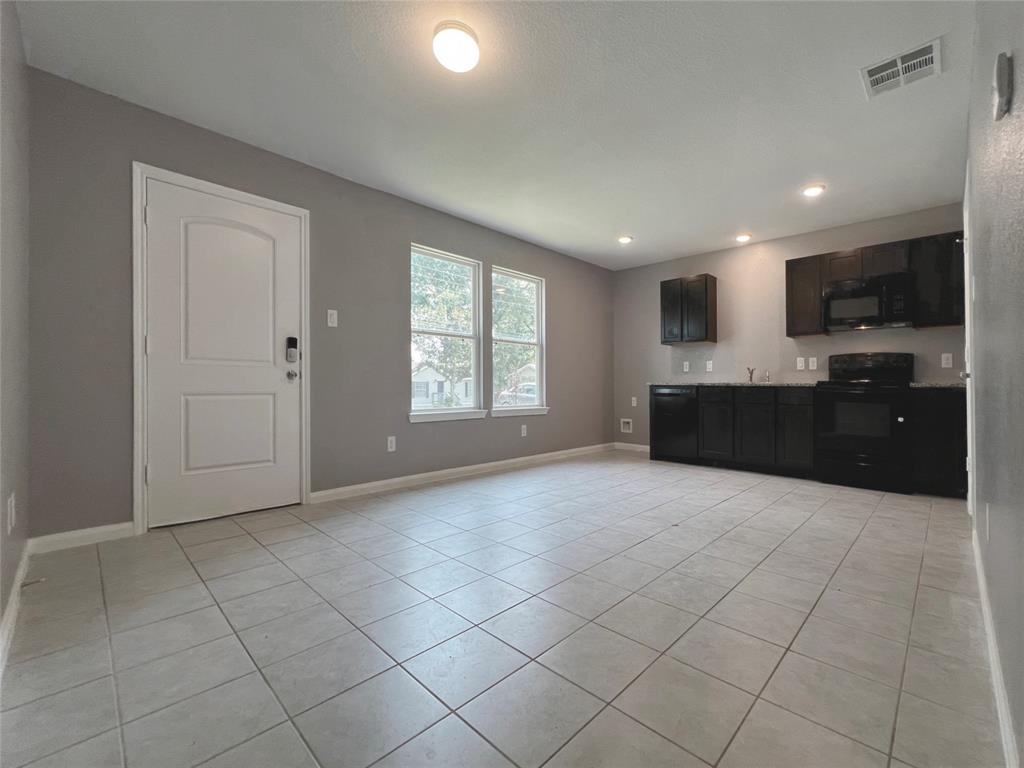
{"type": "Point", "coordinates": [455, 46]}
{"type": "Point", "coordinates": [625, 239]}
{"type": "Point", "coordinates": [813, 190]}
{"type": "Point", "coordinates": [744, 238]}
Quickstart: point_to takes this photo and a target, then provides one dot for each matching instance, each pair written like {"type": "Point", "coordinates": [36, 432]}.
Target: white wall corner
{"type": "Point", "coordinates": [1010, 746]}
{"type": "Point", "coordinates": [10, 617]}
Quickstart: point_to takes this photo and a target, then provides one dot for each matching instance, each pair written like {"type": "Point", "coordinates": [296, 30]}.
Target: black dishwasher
{"type": "Point", "coordinates": [674, 418]}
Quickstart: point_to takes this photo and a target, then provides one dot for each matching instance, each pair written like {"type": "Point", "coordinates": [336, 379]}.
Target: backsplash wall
{"type": "Point", "coordinates": [752, 318]}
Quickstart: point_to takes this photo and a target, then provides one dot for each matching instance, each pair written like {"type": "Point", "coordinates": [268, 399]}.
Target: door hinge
{"type": "Point", "coordinates": [146, 474]}
{"type": "Point", "coordinates": [145, 345]}
{"type": "Point", "coordinates": [145, 215]}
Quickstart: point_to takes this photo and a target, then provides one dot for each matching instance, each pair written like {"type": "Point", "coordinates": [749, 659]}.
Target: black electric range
{"type": "Point", "coordinates": [862, 429]}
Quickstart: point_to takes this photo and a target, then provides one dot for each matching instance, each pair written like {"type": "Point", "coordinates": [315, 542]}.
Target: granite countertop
{"type": "Point", "coordinates": [915, 384]}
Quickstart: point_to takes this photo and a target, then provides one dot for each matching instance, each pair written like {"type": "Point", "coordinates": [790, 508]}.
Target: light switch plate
{"type": "Point", "coordinates": [708, 366]}
{"type": "Point", "coordinates": [332, 318]}
{"type": "Point", "coordinates": [947, 359]}
{"type": "Point", "coordinates": [633, 402]}
{"type": "Point", "coordinates": [523, 431]}
{"type": "Point", "coordinates": [800, 364]}
{"type": "Point", "coordinates": [812, 363]}
{"type": "Point", "coordinates": [686, 366]}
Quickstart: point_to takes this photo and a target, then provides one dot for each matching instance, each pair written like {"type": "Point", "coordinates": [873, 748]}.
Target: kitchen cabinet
{"type": "Point", "coordinates": [754, 425]}
{"type": "Point", "coordinates": [940, 441]}
{"type": "Point", "coordinates": [937, 263]}
{"type": "Point", "coordinates": [671, 311]}
{"type": "Point", "coordinates": [842, 265]}
{"type": "Point", "coordinates": [794, 429]}
{"type": "Point", "coordinates": [803, 296]}
{"type": "Point", "coordinates": [715, 428]}
{"type": "Point", "coordinates": [886, 258]}
{"type": "Point", "coordinates": [689, 309]}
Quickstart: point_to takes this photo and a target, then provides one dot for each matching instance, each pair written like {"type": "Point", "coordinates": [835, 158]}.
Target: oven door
{"type": "Point", "coordinates": [862, 436]}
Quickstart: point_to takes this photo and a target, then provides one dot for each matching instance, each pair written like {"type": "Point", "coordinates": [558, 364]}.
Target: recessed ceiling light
{"type": "Point", "coordinates": [744, 238]}
{"type": "Point", "coordinates": [455, 46]}
{"type": "Point", "coordinates": [813, 190]}
{"type": "Point", "coordinates": [625, 239]}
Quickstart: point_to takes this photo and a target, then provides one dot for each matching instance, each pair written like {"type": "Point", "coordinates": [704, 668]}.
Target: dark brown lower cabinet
{"type": "Point", "coordinates": [755, 425]}
{"type": "Point", "coordinates": [940, 441]}
{"type": "Point", "coordinates": [716, 423]}
{"type": "Point", "coordinates": [794, 433]}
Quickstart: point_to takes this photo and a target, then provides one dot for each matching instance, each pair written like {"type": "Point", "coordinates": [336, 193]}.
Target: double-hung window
{"type": "Point", "coordinates": [445, 325]}
{"type": "Point", "coordinates": [517, 351]}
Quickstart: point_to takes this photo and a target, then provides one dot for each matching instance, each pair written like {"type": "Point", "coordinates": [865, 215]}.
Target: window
{"type": "Point", "coordinates": [517, 315]}
{"type": "Point", "coordinates": [445, 324]}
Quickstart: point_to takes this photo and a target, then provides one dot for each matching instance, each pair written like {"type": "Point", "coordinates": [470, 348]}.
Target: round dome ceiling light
{"type": "Point", "coordinates": [744, 238]}
{"type": "Point", "coordinates": [455, 46]}
{"type": "Point", "coordinates": [813, 190]}
{"type": "Point", "coordinates": [625, 239]}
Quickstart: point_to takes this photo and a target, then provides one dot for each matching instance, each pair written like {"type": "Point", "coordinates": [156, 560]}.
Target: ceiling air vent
{"type": "Point", "coordinates": [924, 61]}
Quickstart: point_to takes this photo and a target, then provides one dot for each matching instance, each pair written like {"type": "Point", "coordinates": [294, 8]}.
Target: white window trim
{"type": "Point", "coordinates": [455, 414]}
{"type": "Point", "coordinates": [450, 414]}
{"type": "Point", "coordinates": [519, 410]}
{"type": "Point", "coordinates": [541, 408]}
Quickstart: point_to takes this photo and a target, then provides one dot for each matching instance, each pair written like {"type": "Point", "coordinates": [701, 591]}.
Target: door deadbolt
{"type": "Point", "coordinates": [291, 349]}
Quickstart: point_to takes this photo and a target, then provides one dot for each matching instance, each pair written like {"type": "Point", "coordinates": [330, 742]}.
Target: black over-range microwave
{"type": "Point", "coordinates": [883, 301]}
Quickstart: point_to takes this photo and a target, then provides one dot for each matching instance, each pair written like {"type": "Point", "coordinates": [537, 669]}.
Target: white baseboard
{"type": "Point", "coordinates": [998, 682]}
{"type": "Point", "coordinates": [10, 617]}
{"type": "Point", "coordinates": [638, 447]}
{"type": "Point", "coordinates": [81, 537]}
{"type": "Point", "coordinates": [425, 478]}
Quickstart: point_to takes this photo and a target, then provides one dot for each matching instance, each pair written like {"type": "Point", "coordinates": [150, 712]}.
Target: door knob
{"type": "Point", "coordinates": [292, 375]}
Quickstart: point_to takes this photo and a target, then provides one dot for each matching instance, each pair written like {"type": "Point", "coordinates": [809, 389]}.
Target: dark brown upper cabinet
{"type": "Point", "coordinates": [689, 309]}
{"type": "Point", "coordinates": [936, 262]}
{"type": "Point", "coordinates": [803, 296]}
{"type": "Point", "coordinates": [938, 266]}
{"type": "Point", "coordinates": [842, 265]}
{"type": "Point", "coordinates": [886, 258]}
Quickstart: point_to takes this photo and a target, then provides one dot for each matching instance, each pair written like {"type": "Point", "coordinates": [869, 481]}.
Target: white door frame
{"type": "Point", "coordinates": [972, 485]}
{"type": "Point", "coordinates": [141, 173]}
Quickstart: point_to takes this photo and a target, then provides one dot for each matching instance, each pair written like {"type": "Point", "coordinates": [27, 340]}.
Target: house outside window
{"type": "Point", "coordinates": [445, 335]}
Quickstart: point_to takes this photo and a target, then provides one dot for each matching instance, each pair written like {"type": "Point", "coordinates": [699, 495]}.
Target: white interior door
{"type": "Point", "coordinates": [223, 403]}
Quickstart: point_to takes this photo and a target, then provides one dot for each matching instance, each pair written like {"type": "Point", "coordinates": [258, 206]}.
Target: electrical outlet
{"type": "Point", "coordinates": [522, 431]}
{"type": "Point", "coordinates": [12, 513]}
{"type": "Point", "coordinates": [799, 363]}
{"type": "Point", "coordinates": [812, 363]}
{"type": "Point", "coordinates": [391, 444]}
{"type": "Point", "coordinates": [633, 401]}
{"type": "Point", "coordinates": [332, 318]}
{"type": "Point", "coordinates": [626, 426]}
{"type": "Point", "coordinates": [708, 366]}
{"type": "Point", "coordinates": [686, 366]}
{"type": "Point", "coordinates": [947, 359]}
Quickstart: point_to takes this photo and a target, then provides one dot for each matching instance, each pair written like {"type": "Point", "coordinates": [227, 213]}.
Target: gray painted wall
{"type": "Point", "coordinates": [752, 317]}
{"type": "Point", "coordinates": [83, 143]}
{"type": "Point", "coordinates": [996, 215]}
{"type": "Point", "coordinates": [14, 246]}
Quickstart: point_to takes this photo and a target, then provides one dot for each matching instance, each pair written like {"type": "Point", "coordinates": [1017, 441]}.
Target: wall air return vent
{"type": "Point", "coordinates": [897, 71]}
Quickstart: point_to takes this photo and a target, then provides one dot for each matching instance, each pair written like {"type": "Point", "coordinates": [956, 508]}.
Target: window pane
{"type": "Point", "coordinates": [442, 294]}
{"type": "Point", "coordinates": [514, 307]}
{"type": "Point", "coordinates": [515, 375]}
{"type": "Point", "coordinates": [442, 372]}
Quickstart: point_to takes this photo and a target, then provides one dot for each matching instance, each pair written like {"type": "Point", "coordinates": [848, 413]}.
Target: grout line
{"type": "Point", "coordinates": [720, 478]}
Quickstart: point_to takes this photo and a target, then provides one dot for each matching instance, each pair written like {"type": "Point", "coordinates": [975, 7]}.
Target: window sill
{"type": "Point", "coordinates": [516, 411]}
{"type": "Point", "coordinates": [417, 417]}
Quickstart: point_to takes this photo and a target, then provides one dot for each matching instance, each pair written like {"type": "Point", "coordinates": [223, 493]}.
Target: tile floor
{"type": "Point", "coordinates": [606, 611]}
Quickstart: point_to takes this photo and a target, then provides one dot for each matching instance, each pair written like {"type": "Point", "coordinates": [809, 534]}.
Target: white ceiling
{"type": "Point", "coordinates": [680, 123]}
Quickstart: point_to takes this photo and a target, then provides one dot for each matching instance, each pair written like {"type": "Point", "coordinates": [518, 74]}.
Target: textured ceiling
{"type": "Point", "coordinates": [680, 123]}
